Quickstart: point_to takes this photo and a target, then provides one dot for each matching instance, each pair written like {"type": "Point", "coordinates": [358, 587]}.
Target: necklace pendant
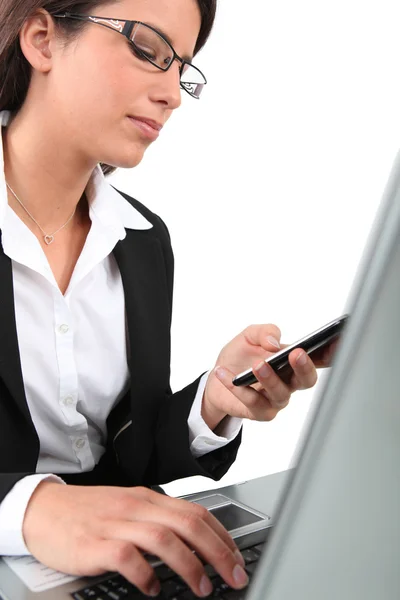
{"type": "Point", "coordinates": [49, 239]}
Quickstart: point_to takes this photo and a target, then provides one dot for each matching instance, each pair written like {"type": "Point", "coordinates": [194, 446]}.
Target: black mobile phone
{"type": "Point", "coordinates": [311, 343]}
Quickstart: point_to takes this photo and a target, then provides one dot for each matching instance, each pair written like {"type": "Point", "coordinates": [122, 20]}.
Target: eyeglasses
{"type": "Point", "coordinates": [150, 45]}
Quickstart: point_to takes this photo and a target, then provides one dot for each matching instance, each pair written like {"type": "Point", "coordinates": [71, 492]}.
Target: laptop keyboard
{"type": "Point", "coordinates": [172, 586]}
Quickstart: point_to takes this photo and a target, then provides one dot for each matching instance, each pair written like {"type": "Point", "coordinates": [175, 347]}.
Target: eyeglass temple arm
{"type": "Point", "coordinates": [127, 30]}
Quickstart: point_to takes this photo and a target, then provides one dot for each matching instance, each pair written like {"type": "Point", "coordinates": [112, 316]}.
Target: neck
{"type": "Point", "coordinates": [44, 170]}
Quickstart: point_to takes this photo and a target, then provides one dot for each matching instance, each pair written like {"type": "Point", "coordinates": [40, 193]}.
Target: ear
{"type": "Point", "coordinates": [37, 38]}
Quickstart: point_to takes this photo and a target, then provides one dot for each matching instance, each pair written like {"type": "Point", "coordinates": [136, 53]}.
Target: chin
{"type": "Point", "coordinates": [129, 160]}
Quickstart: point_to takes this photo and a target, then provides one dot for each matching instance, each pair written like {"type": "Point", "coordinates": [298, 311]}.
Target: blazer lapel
{"type": "Point", "coordinates": [10, 363]}
{"type": "Point", "coordinates": [141, 263]}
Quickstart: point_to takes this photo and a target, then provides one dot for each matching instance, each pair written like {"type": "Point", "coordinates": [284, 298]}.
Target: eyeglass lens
{"type": "Point", "coordinates": [156, 50]}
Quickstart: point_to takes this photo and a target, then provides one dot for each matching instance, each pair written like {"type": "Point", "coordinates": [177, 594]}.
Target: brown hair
{"type": "Point", "coordinates": [15, 70]}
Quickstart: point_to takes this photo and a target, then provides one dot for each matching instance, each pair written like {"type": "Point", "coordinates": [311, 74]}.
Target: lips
{"type": "Point", "coordinates": [147, 128]}
{"type": "Point", "coordinates": [150, 122]}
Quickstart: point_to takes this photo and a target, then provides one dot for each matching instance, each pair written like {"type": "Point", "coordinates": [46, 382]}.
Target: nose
{"type": "Point", "coordinates": [167, 87]}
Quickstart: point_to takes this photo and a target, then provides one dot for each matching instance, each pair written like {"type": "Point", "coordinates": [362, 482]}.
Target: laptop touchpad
{"type": "Point", "coordinates": [232, 516]}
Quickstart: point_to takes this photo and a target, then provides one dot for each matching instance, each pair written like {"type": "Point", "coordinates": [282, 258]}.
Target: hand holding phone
{"type": "Point", "coordinates": [312, 343]}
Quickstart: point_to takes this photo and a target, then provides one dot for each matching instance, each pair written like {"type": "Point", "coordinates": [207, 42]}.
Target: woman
{"type": "Point", "coordinates": [84, 391]}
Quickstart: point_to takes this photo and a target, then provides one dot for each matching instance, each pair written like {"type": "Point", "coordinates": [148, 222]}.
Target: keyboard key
{"type": "Point", "coordinates": [211, 572]}
{"type": "Point", "coordinates": [164, 572]}
{"type": "Point", "coordinates": [250, 568]}
{"type": "Point", "coordinates": [89, 592]}
{"type": "Point", "coordinates": [79, 596]}
{"type": "Point", "coordinates": [235, 594]}
{"type": "Point", "coordinates": [126, 591]}
{"type": "Point", "coordinates": [250, 555]}
{"type": "Point", "coordinates": [259, 548]}
{"type": "Point", "coordinates": [219, 586]}
{"type": "Point", "coordinates": [123, 590]}
{"type": "Point", "coordinates": [115, 581]}
{"type": "Point", "coordinates": [102, 587]}
{"type": "Point", "coordinates": [173, 587]}
{"type": "Point", "coordinates": [188, 595]}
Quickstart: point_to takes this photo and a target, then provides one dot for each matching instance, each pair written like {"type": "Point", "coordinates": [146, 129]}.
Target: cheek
{"type": "Point", "coordinates": [101, 88]}
{"type": "Point", "coordinates": [92, 103]}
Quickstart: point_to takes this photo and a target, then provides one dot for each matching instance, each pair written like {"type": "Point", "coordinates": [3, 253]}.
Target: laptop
{"type": "Point", "coordinates": [337, 532]}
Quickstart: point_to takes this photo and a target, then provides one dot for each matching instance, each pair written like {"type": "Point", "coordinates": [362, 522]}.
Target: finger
{"type": "Point", "coordinates": [205, 515]}
{"type": "Point", "coordinates": [124, 558]}
{"type": "Point", "coordinates": [213, 550]}
{"type": "Point", "coordinates": [277, 392]}
{"type": "Point", "coordinates": [252, 404]}
{"type": "Point", "coordinates": [330, 353]}
{"type": "Point", "coordinates": [199, 529]}
{"type": "Point", "coordinates": [195, 525]}
{"type": "Point", "coordinates": [322, 357]}
{"type": "Point", "coordinates": [305, 373]}
{"type": "Point", "coordinates": [266, 336]}
{"type": "Point", "coordinates": [160, 541]}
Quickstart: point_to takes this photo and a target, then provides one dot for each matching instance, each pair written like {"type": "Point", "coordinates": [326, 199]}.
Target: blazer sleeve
{"type": "Point", "coordinates": [172, 458]}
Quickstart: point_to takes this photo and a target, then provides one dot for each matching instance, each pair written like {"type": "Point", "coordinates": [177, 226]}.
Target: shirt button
{"type": "Point", "coordinates": [68, 401]}
{"type": "Point", "coordinates": [79, 444]}
{"type": "Point", "coordinates": [63, 328]}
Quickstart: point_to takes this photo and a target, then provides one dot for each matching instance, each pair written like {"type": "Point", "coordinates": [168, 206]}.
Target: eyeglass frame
{"type": "Point", "coordinates": [126, 32]}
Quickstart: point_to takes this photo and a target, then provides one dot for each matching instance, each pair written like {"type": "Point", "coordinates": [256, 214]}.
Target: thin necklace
{"type": "Point", "coordinates": [48, 237]}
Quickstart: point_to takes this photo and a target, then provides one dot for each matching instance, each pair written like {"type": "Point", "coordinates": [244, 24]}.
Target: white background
{"type": "Point", "coordinates": [269, 185]}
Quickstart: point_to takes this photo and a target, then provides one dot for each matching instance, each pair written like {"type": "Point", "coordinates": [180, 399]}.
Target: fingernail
{"type": "Point", "coordinates": [263, 370]}
{"type": "Point", "coordinates": [302, 359]}
{"type": "Point", "coordinates": [220, 372]}
{"type": "Point", "coordinates": [274, 342]}
{"type": "Point", "coordinates": [239, 557]}
{"type": "Point", "coordinates": [155, 589]}
{"type": "Point", "coordinates": [240, 576]}
{"type": "Point", "coordinates": [206, 587]}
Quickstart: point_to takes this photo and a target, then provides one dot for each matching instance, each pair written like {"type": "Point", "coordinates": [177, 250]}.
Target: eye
{"type": "Point", "coordinates": [142, 52]}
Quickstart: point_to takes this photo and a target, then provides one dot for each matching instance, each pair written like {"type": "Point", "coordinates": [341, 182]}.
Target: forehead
{"type": "Point", "coordinates": [180, 20]}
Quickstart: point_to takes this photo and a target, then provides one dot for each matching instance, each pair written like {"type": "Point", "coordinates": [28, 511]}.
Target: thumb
{"type": "Point", "coordinates": [267, 336]}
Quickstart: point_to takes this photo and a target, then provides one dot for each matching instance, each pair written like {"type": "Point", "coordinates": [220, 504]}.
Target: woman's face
{"type": "Point", "coordinates": [96, 83]}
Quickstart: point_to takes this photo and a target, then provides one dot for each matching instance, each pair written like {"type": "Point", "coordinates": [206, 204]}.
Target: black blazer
{"type": "Point", "coordinates": [147, 431]}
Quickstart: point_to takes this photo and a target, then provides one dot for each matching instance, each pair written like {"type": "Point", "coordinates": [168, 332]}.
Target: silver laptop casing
{"type": "Point", "coordinates": [338, 532]}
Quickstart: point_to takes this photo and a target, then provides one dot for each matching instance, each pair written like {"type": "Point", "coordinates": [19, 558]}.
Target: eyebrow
{"type": "Point", "coordinates": [186, 57]}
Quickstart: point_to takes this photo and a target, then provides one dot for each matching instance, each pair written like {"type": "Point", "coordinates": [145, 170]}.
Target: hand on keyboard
{"type": "Point", "coordinates": [172, 586]}
{"type": "Point", "coordinates": [93, 530]}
